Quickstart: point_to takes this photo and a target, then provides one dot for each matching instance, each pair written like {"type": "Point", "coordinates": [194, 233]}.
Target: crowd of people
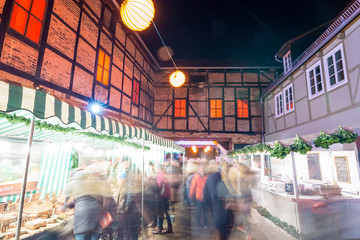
{"type": "Point", "coordinates": [222, 189]}
{"type": "Point", "coordinates": [218, 194]}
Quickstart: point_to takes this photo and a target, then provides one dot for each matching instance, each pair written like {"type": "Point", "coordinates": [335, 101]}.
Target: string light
{"type": "Point", "coordinates": [177, 78]}
{"type": "Point", "coordinates": [194, 149]}
{"type": "Point", "coordinates": [137, 14]}
{"type": "Point", "coordinates": [207, 149]}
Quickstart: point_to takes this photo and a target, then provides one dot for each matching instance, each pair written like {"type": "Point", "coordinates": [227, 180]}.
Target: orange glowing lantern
{"type": "Point", "coordinates": [207, 149]}
{"type": "Point", "coordinates": [194, 149]}
{"type": "Point", "coordinates": [137, 14]}
{"type": "Point", "coordinates": [177, 78]}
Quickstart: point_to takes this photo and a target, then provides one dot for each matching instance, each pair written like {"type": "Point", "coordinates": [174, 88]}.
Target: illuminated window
{"type": "Point", "coordinates": [27, 18]}
{"type": "Point", "coordinates": [180, 108]}
{"type": "Point", "coordinates": [135, 92]}
{"type": "Point", "coordinates": [289, 99]}
{"type": "Point", "coordinates": [103, 68]}
{"type": "Point", "coordinates": [215, 108]}
{"type": "Point", "coordinates": [242, 108]}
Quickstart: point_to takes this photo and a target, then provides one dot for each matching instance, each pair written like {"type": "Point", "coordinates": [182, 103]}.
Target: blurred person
{"type": "Point", "coordinates": [89, 192]}
{"type": "Point", "coordinates": [213, 200]}
{"type": "Point", "coordinates": [151, 195]}
{"type": "Point", "coordinates": [191, 169]}
{"type": "Point", "coordinates": [163, 201]}
{"type": "Point", "coordinates": [197, 193]}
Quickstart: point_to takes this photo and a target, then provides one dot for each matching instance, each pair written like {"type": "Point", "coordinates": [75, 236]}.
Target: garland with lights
{"type": "Point", "coordinates": [39, 125]}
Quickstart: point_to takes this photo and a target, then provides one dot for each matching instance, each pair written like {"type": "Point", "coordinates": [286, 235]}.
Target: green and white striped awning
{"type": "Point", "coordinates": [48, 108]}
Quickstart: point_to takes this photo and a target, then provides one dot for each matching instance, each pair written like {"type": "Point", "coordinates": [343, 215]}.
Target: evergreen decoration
{"type": "Point", "coordinates": [344, 136]}
{"type": "Point", "coordinates": [279, 151]}
{"type": "Point", "coordinates": [261, 147]}
{"type": "Point", "coordinates": [300, 146]}
{"type": "Point", "coordinates": [325, 140]}
{"type": "Point", "coordinates": [40, 125]}
{"type": "Point", "coordinates": [290, 229]}
{"type": "Point", "coordinates": [74, 160]}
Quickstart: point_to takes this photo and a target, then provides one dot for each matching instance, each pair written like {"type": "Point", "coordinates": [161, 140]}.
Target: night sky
{"type": "Point", "coordinates": [235, 32]}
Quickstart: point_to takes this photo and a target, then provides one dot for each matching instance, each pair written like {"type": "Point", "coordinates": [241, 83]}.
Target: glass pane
{"type": "Point", "coordinates": [24, 3]}
{"type": "Point", "coordinates": [18, 19]}
{"type": "Point", "coordinates": [319, 84]}
{"type": "Point", "coordinates": [218, 104]}
{"type": "Point", "coordinates": [338, 55]}
{"type": "Point", "coordinates": [246, 113]}
{"type": "Point", "coordinates": [33, 29]}
{"type": "Point", "coordinates": [177, 112]}
{"type": "Point", "coordinates": [107, 62]}
{"type": "Point", "coordinates": [317, 70]}
{"type": "Point", "coordinates": [177, 103]}
{"type": "Point", "coordinates": [218, 113]}
{"type": "Point", "coordinates": [38, 9]}
{"type": "Point", "coordinates": [212, 113]}
{"type": "Point", "coordinates": [183, 113]}
{"type": "Point", "coordinates": [101, 58]}
{"type": "Point", "coordinates": [212, 104]}
{"type": "Point", "coordinates": [339, 66]}
{"type": "Point", "coordinates": [313, 91]}
{"type": "Point", "coordinates": [341, 76]}
{"type": "Point", "coordinates": [330, 61]}
{"type": "Point", "coordinates": [311, 74]}
{"type": "Point", "coordinates": [106, 78]}
{"type": "Point", "coordinates": [331, 71]}
{"type": "Point", "coordinates": [312, 82]}
{"type": "Point", "coordinates": [332, 80]}
{"type": "Point", "coordinates": [183, 103]}
{"type": "Point", "coordinates": [99, 73]}
{"type": "Point", "coordinates": [239, 113]}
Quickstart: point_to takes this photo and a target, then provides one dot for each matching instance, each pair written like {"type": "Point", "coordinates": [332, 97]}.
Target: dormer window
{"type": "Point", "coordinates": [287, 62]}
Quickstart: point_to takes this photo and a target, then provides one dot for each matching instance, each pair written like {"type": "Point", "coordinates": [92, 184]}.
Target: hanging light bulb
{"type": "Point", "coordinates": [177, 78]}
{"type": "Point", "coordinates": [194, 149]}
{"type": "Point", "coordinates": [207, 149]}
{"type": "Point", "coordinates": [137, 14]}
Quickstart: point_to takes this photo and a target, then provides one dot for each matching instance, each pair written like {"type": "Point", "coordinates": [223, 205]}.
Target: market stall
{"type": "Point", "coordinates": [311, 189]}
{"type": "Point", "coordinates": [42, 139]}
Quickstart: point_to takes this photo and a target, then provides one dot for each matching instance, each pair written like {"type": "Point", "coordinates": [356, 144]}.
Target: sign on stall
{"type": "Point", "coordinates": [14, 188]}
{"type": "Point", "coordinates": [342, 169]}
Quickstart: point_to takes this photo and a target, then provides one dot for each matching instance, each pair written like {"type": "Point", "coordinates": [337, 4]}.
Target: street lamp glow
{"type": "Point", "coordinates": [95, 108]}
{"type": "Point", "coordinates": [194, 149]}
{"type": "Point", "coordinates": [207, 149]}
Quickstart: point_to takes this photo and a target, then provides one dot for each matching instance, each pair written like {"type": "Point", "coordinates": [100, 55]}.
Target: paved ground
{"type": "Point", "coordinates": [262, 228]}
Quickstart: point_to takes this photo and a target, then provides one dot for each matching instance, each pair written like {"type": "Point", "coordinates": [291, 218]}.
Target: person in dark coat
{"type": "Point", "coordinates": [88, 192]}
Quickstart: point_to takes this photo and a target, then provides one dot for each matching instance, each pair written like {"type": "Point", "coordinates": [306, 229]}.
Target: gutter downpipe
{"type": "Point", "coordinates": [262, 121]}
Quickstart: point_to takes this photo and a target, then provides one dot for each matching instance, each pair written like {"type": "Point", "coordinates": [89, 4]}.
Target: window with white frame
{"type": "Point", "coordinates": [315, 80]}
{"type": "Point", "coordinates": [288, 99]}
{"type": "Point", "coordinates": [279, 105]}
{"type": "Point", "coordinates": [287, 62]}
{"type": "Point", "coordinates": [335, 68]}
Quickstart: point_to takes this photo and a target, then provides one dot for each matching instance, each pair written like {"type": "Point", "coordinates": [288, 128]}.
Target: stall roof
{"type": "Point", "coordinates": [49, 109]}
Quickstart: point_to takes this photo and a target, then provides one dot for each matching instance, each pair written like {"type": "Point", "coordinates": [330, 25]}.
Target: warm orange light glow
{"type": "Point", "coordinates": [177, 78]}
{"type": "Point", "coordinates": [194, 149]}
{"type": "Point", "coordinates": [103, 68]}
{"type": "Point", "coordinates": [207, 149]}
{"type": "Point", "coordinates": [137, 14]}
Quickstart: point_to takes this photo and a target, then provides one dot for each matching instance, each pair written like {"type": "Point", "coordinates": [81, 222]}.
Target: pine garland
{"type": "Point", "coordinates": [290, 229]}
{"type": "Point", "coordinates": [279, 151]}
{"type": "Point", "coordinates": [40, 125]}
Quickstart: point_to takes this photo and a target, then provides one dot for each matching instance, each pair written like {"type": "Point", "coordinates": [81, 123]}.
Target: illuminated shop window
{"type": "Point", "coordinates": [103, 68]}
{"type": "Point", "coordinates": [242, 108]}
{"type": "Point", "coordinates": [27, 18]}
{"type": "Point", "coordinates": [215, 108]}
{"type": "Point", "coordinates": [135, 92]}
{"type": "Point", "coordinates": [180, 108]}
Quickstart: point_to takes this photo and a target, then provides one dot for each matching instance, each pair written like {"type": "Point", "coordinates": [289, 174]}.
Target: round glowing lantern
{"type": "Point", "coordinates": [177, 78]}
{"type": "Point", "coordinates": [137, 14]}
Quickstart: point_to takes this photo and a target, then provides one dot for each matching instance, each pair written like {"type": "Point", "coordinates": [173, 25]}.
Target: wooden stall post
{"type": "Point", "coordinates": [296, 188]}
{"type": "Point", "coordinates": [26, 169]}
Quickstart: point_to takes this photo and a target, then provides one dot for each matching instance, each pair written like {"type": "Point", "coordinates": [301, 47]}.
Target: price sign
{"type": "Point", "coordinates": [342, 169]}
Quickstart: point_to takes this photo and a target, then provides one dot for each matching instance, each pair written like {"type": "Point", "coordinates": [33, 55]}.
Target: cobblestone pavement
{"type": "Point", "coordinates": [262, 228]}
